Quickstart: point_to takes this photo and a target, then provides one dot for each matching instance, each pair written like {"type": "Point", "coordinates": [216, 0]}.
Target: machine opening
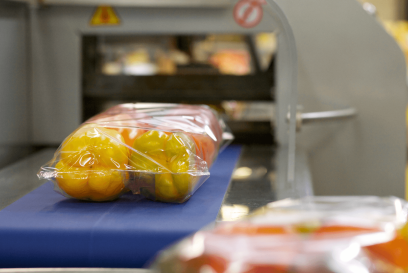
{"type": "Point", "coordinates": [233, 73]}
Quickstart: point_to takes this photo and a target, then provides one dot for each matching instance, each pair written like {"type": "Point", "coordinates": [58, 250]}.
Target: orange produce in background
{"type": "Point", "coordinates": [339, 231]}
{"type": "Point", "coordinates": [129, 126]}
{"type": "Point", "coordinates": [235, 62]}
{"type": "Point", "coordinates": [205, 146]}
{"type": "Point", "coordinates": [394, 252]}
{"type": "Point", "coordinates": [248, 229]}
{"type": "Point", "coordinates": [212, 263]}
{"type": "Point", "coordinates": [130, 134]}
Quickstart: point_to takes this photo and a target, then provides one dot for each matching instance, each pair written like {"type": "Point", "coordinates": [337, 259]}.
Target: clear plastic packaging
{"type": "Point", "coordinates": [315, 234]}
{"type": "Point", "coordinates": [162, 151]}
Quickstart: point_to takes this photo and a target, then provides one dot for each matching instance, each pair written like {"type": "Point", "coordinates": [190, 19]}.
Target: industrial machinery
{"type": "Point", "coordinates": [336, 85]}
{"type": "Point", "coordinates": [74, 48]}
{"type": "Point", "coordinates": [344, 62]}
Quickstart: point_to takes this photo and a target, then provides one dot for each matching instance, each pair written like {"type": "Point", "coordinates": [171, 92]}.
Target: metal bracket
{"type": "Point", "coordinates": [316, 117]}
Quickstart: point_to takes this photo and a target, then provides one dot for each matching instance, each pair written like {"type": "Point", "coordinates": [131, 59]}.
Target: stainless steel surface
{"type": "Point", "coordinates": [351, 60]}
{"type": "Point", "coordinates": [142, 3]}
{"type": "Point", "coordinates": [370, 8]}
{"type": "Point", "coordinates": [334, 115]}
{"type": "Point", "coordinates": [286, 91]}
{"type": "Point", "coordinates": [136, 3]}
{"type": "Point", "coordinates": [76, 270]}
{"type": "Point", "coordinates": [252, 184]}
{"type": "Point", "coordinates": [302, 185]}
{"type": "Point", "coordinates": [260, 178]}
{"type": "Point", "coordinates": [14, 93]}
{"type": "Point", "coordinates": [316, 117]}
{"type": "Point", "coordinates": [20, 178]}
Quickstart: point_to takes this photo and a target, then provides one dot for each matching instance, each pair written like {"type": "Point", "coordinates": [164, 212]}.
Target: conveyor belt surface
{"type": "Point", "coordinates": [45, 229]}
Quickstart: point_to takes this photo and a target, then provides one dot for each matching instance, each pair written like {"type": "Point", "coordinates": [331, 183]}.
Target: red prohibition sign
{"type": "Point", "coordinates": [248, 13]}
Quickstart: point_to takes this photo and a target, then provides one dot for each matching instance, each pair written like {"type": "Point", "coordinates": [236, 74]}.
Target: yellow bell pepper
{"type": "Point", "coordinates": [170, 156]}
{"type": "Point", "coordinates": [92, 164]}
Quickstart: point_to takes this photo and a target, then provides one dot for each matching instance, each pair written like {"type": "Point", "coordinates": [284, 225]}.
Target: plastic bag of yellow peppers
{"type": "Point", "coordinates": [162, 151]}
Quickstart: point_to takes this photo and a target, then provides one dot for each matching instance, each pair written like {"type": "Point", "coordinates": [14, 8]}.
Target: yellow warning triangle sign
{"type": "Point", "coordinates": [103, 16]}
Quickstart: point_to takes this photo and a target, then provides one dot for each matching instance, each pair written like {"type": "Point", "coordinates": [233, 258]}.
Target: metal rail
{"type": "Point", "coordinates": [137, 3]}
{"type": "Point", "coordinates": [312, 117]}
{"type": "Point", "coordinates": [322, 116]}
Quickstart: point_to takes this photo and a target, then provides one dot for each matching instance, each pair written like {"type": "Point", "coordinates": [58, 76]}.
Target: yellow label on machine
{"type": "Point", "coordinates": [104, 16]}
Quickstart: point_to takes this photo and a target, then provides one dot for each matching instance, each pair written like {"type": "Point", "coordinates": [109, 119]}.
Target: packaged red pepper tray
{"type": "Point", "coordinates": [162, 151]}
{"type": "Point", "coordinates": [313, 234]}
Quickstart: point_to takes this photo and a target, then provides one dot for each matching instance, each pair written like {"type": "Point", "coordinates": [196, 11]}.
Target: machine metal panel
{"type": "Point", "coordinates": [143, 3]}
{"type": "Point", "coordinates": [346, 58]}
{"type": "Point", "coordinates": [56, 74]}
{"type": "Point", "coordinates": [14, 95]}
{"type": "Point", "coordinates": [138, 3]}
{"type": "Point", "coordinates": [56, 50]}
{"type": "Point", "coordinates": [20, 178]}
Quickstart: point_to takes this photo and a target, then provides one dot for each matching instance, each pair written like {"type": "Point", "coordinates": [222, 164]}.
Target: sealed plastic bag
{"type": "Point", "coordinates": [162, 151]}
{"type": "Point", "coordinates": [314, 234]}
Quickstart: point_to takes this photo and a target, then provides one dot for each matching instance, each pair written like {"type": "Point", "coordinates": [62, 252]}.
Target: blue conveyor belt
{"type": "Point", "coordinates": [45, 229]}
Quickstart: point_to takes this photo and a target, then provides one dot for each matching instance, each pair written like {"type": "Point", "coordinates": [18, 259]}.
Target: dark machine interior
{"type": "Point", "coordinates": [228, 72]}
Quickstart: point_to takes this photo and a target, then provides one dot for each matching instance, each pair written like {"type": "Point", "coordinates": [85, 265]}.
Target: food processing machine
{"type": "Point", "coordinates": [344, 63]}
{"type": "Point", "coordinates": [336, 85]}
